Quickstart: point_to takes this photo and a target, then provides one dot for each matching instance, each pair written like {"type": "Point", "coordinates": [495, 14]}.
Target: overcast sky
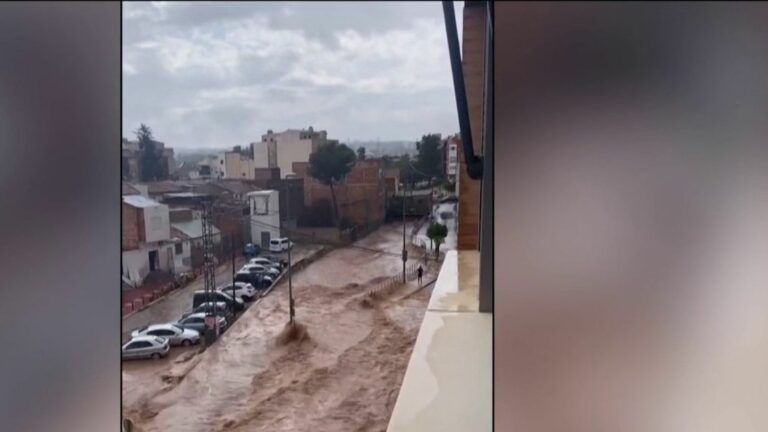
{"type": "Point", "coordinates": [220, 74]}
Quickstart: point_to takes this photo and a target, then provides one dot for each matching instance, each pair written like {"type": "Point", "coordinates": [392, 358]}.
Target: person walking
{"type": "Point", "coordinates": [420, 273]}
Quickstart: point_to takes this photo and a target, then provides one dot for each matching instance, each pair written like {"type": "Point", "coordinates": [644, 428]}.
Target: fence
{"type": "Point", "coordinates": [387, 286]}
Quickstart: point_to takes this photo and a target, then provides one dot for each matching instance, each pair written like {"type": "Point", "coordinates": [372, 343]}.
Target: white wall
{"type": "Point", "coordinates": [136, 261]}
{"type": "Point", "coordinates": [265, 214]}
{"type": "Point", "coordinates": [260, 154]}
{"type": "Point", "coordinates": [157, 226]}
{"type": "Point", "coordinates": [179, 259]}
{"type": "Point", "coordinates": [293, 146]}
{"type": "Point", "coordinates": [237, 166]}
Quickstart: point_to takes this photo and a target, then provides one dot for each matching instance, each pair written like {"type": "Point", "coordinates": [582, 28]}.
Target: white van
{"type": "Point", "coordinates": [279, 244]}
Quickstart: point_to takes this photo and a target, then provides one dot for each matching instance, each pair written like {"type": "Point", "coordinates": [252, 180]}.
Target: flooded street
{"type": "Point", "coordinates": [343, 377]}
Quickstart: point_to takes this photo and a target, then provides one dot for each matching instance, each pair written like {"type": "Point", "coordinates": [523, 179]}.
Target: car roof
{"type": "Point", "coordinates": [147, 338]}
{"type": "Point", "coordinates": [196, 315]}
{"type": "Point", "coordinates": [160, 326]}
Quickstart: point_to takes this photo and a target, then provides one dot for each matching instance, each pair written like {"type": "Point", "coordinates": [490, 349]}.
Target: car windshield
{"type": "Point", "coordinates": [177, 327]}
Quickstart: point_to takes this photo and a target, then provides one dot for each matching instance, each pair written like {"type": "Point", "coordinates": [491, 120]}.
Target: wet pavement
{"type": "Point", "coordinates": [344, 377]}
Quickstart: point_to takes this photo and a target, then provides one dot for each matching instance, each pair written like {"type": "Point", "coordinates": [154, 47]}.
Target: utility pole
{"type": "Point", "coordinates": [232, 246]}
{"type": "Point", "coordinates": [291, 310]}
{"type": "Point", "coordinates": [405, 251]}
{"type": "Point", "coordinates": [208, 266]}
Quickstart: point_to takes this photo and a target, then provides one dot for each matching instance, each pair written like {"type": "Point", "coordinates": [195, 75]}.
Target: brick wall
{"type": "Point", "coordinates": [361, 198]}
{"type": "Point", "coordinates": [132, 227]}
{"type": "Point", "coordinates": [469, 190]}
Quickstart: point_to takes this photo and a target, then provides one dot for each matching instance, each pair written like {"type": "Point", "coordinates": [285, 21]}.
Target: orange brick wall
{"type": "Point", "coordinates": [469, 190]}
{"type": "Point", "coordinates": [360, 199]}
{"type": "Point", "coordinates": [132, 227]}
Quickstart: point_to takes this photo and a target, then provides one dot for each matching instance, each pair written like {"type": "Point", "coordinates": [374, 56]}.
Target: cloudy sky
{"type": "Point", "coordinates": [220, 74]}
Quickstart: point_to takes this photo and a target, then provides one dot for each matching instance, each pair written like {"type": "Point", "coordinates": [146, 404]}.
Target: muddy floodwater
{"type": "Point", "coordinates": [344, 376]}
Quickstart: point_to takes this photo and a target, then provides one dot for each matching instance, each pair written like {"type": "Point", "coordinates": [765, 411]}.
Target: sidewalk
{"type": "Point", "coordinates": [138, 298]}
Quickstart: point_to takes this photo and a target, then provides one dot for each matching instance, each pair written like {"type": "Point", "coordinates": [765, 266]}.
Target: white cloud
{"type": "Point", "coordinates": [224, 72]}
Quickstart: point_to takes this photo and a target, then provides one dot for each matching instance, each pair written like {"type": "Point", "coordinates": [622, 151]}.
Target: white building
{"type": "Point", "coordinates": [146, 238]}
{"type": "Point", "coordinates": [284, 148]}
{"type": "Point", "coordinates": [265, 216]}
{"type": "Point", "coordinates": [188, 235]}
{"type": "Point", "coordinates": [451, 154]}
{"type": "Point", "coordinates": [235, 165]}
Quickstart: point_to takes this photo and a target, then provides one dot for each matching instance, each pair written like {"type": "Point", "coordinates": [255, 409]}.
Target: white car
{"type": "Point", "coordinates": [258, 268]}
{"type": "Point", "coordinates": [152, 347]}
{"type": "Point", "coordinates": [242, 290]}
{"type": "Point", "coordinates": [175, 334]}
{"type": "Point", "coordinates": [280, 244]}
{"type": "Point", "coordinates": [266, 262]}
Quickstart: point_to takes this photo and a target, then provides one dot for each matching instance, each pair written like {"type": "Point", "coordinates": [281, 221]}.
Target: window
{"type": "Point", "coordinates": [162, 332]}
{"type": "Point", "coordinates": [138, 345]}
{"type": "Point", "coordinates": [179, 248]}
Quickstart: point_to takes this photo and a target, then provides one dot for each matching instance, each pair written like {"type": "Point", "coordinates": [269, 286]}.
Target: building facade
{"type": "Point", "coordinates": [131, 154]}
{"type": "Point", "coordinates": [450, 157]}
{"type": "Point", "coordinates": [360, 197]}
{"type": "Point", "coordinates": [264, 216]}
{"type": "Point", "coordinates": [235, 165]}
{"type": "Point", "coordinates": [285, 148]}
{"type": "Point", "coordinates": [146, 238]}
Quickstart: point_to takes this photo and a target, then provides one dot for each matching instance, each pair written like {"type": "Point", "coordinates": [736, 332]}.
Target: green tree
{"type": "Point", "coordinates": [437, 233]}
{"type": "Point", "coordinates": [407, 175]}
{"type": "Point", "coordinates": [429, 161]}
{"type": "Point", "coordinates": [329, 164]}
{"type": "Point", "coordinates": [151, 161]}
{"type": "Point", "coordinates": [361, 153]}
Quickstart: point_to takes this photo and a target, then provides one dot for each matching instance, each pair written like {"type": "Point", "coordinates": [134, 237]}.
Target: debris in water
{"type": "Point", "coordinates": [292, 332]}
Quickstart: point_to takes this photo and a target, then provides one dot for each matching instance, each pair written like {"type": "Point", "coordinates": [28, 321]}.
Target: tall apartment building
{"type": "Point", "coordinates": [450, 157]}
{"type": "Point", "coordinates": [282, 149]}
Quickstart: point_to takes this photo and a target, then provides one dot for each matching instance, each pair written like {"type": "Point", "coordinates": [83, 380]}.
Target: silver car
{"type": "Point", "coordinates": [258, 268]}
{"type": "Point", "coordinates": [175, 335]}
{"type": "Point", "coordinates": [196, 322]}
{"type": "Point", "coordinates": [152, 347]}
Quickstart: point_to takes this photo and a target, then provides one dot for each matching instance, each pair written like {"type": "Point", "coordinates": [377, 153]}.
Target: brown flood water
{"type": "Point", "coordinates": [344, 377]}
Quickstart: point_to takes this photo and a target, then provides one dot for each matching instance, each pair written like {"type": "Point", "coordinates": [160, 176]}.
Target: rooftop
{"type": "Point", "coordinates": [192, 228]}
{"type": "Point", "coordinates": [140, 201]}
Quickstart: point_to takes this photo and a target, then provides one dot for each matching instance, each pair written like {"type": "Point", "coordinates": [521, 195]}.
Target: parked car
{"type": "Point", "coordinates": [175, 335]}
{"type": "Point", "coordinates": [242, 290]}
{"type": "Point", "coordinates": [196, 321]}
{"type": "Point", "coordinates": [280, 244]}
{"type": "Point", "coordinates": [258, 268]}
{"type": "Point", "coordinates": [153, 347]}
{"type": "Point", "coordinates": [258, 281]}
{"type": "Point", "coordinates": [216, 308]}
{"type": "Point", "coordinates": [251, 250]}
{"type": "Point", "coordinates": [266, 262]}
{"type": "Point", "coordinates": [201, 296]}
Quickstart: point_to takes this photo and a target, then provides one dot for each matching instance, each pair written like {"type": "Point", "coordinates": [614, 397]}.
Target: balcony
{"type": "Point", "coordinates": [448, 384]}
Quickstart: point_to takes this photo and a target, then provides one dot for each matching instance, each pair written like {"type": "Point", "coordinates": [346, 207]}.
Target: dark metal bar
{"type": "Point", "coordinates": [473, 162]}
{"type": "Point", "coordinates": [486, 191]}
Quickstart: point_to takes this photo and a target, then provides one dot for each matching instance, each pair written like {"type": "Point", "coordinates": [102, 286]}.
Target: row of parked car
{"type": "Point", "coordinates": [154, 341]}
